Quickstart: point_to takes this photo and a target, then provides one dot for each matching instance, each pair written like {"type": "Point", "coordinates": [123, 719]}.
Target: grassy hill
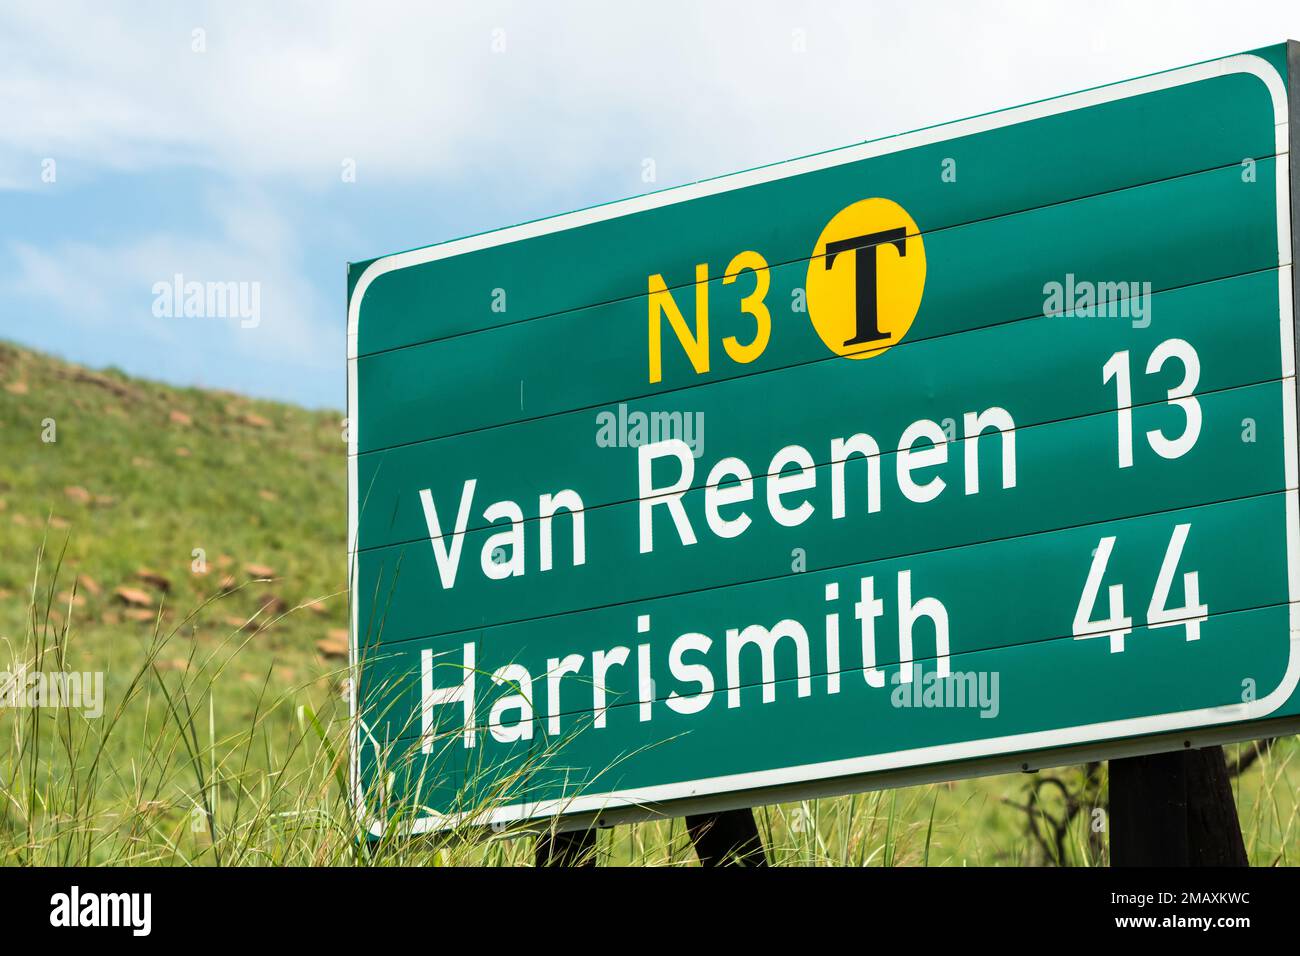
{"type": "Point", "coordinates": [191, 533]}
{"type": "Point", "coordinates": [190, 545]}
{"type": "Point", "coordinates": [191, 487]}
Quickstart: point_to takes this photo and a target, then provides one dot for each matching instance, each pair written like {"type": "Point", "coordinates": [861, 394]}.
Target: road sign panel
{"type": "Point", "coordinates": [967, 444]}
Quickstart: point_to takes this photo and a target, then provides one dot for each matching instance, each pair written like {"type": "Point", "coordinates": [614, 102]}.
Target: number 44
{"type": "Point", "coordinates": [1116, 625]}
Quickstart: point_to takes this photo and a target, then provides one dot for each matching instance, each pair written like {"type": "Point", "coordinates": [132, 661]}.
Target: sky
{"type": "Point", "coordinates": [261, 147]}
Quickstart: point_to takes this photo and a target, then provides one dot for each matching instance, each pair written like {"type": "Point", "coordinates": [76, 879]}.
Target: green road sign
{"type": "Point", "coordinates": [959, 451]}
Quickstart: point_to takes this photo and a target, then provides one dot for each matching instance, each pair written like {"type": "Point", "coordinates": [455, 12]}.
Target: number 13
{"type": "Point", "coordinates": [1117, 367]}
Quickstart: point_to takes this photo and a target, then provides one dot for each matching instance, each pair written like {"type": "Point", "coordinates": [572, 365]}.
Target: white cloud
{"type": "Point", "coordinates": [109, 289]}
{"type": "Point", "coordinates": [414, 92]}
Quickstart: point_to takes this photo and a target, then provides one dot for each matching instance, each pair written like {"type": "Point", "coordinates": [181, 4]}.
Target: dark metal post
{"type": "Point", "coordinates": [727, 839]}
{"type": "Point", "coordinates": [570, 848]}
{"type": "Point", "coordinates": [1174, 809]}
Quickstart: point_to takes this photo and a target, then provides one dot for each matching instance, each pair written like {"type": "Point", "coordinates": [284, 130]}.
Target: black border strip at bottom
{"type": "Point", "coordinates": [599, 907]}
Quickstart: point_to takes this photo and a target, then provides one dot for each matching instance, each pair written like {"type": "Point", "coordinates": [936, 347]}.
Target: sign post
{"type": "Point", "coordinates": [730, 838]}
{"type": "Point", "coordinates": [965, 451]}
{"type": "Point", "coordinates": [1174, 809]}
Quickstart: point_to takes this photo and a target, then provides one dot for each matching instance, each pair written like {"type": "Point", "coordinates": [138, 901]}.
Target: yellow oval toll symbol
{"type": "Point", "coordinates": [865, 278]}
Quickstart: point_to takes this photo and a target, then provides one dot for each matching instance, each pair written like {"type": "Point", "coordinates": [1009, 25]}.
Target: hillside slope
{"type": "Point", "coordinates": [168, 498]}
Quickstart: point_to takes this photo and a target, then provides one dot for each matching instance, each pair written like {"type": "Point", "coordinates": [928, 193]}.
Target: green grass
{"type": "Point", "coordinates": [224, 727]}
